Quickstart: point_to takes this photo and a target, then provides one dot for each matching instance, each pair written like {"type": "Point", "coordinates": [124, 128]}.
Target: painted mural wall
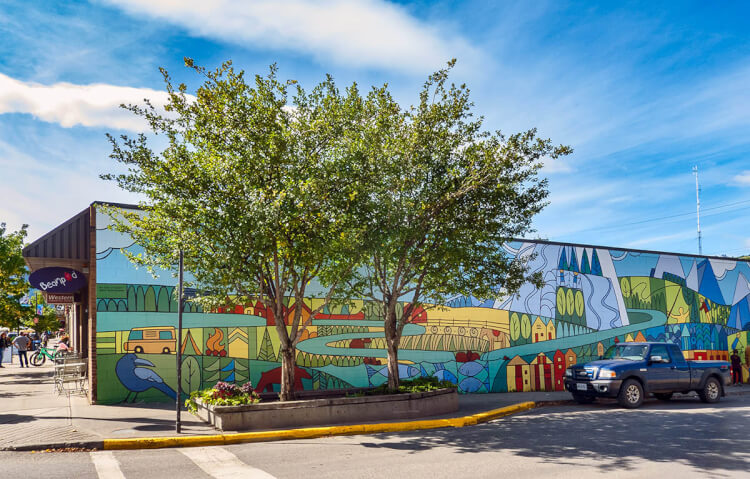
{"type": "Point", "coordinates": [592, 299]}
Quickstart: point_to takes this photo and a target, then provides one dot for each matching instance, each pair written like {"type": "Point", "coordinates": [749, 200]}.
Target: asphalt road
{"type": "Point", "coordinates": [683, 438]}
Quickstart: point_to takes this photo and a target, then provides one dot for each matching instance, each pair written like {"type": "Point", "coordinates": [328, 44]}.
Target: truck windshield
{"type": "Point", "coordinates": [627, 351]}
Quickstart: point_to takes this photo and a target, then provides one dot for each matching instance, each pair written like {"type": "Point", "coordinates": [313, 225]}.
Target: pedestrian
{"type": "Point", "coordinates": [22, 344]}
{"type": "Point", "coordinates": [4, 344]}
{"type": "Point", "coordinates": [736, 368]}
{"type": "Point", "coordinates": [45, 338]}
{"type": "Point", "coordinates": [64, 344]}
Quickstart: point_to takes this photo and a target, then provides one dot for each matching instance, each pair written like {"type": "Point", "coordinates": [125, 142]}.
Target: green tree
{"type": "Point", "coordinates": [256, 185]}
{"type": "Point", "coordinates": [444, 195]}
{"type": "Point", "coordinates": [47, 321]}
{"type": "Point", "coordinates": [13, 284]}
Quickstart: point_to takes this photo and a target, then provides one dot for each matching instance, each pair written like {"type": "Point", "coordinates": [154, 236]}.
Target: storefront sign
{"type": "Point", "coordinates": [57, 280]}
{"type": "Point", "coordinates": [56, 298]}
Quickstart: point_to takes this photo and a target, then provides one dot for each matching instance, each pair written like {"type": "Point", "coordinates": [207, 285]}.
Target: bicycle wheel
{"type": "Point", "coordinates": [38, 358]}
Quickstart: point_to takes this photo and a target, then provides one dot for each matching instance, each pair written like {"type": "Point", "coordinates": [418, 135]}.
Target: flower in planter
{"type": "Point", "coordinates": [224, 394]}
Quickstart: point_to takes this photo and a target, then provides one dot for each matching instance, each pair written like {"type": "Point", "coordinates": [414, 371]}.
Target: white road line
{"type": "Point", "coordinates": [106, 465]}
{"type": "Point", "coordinates": [222, 464]}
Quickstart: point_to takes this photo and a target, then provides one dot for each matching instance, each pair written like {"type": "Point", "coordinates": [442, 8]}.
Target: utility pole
{"type": "Point", "coordinates": [178, 423]}
{"type": "Point", "coordinates": [698, 208]}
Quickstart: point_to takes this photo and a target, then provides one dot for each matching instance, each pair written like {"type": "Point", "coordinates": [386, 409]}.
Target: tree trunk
{"type": "Point", "coordinates": [393, 379]}
{"type": "Point", "coordinates": [287, 373]}
{"type": "Point", "coordinates": [392, 343]}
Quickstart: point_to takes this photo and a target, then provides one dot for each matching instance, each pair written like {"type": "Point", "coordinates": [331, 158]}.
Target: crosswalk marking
{"type": "Point", "coordinates": [222, 464]}
{"type": "Point", "coordinates": [106, 465]}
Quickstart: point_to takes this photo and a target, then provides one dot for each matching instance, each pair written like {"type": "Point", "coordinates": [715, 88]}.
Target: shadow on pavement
{"type": "Point", "coordinates": [703, 436]}
{"type": "Point", "coordinates": [16, 418]}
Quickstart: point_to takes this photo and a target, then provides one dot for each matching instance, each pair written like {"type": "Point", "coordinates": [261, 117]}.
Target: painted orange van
{"type": "Point", "coordinates": [151, 340]}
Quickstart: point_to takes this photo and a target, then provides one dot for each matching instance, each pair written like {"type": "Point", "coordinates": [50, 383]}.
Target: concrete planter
{"type": "Point", "coordinates": [318, 412]}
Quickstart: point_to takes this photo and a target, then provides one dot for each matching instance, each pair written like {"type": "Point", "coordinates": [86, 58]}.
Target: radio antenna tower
{"type": "Point", "coordinates": [698, 208]}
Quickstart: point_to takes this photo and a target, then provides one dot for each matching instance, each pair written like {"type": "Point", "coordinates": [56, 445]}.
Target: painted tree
{"type": "Point", "coordinates": [444, 195]}
{"type": "Point", "coordinates": [256, 185]}
{"type": "Point", "coordinates": [13, 284]}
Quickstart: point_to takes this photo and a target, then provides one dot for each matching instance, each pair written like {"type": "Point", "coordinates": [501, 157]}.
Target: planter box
{"type": "Point", "coordinates": [319, 412]}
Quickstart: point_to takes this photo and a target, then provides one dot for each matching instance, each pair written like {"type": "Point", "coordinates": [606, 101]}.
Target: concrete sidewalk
{"type": "Point", "coordinates": [33, 416]}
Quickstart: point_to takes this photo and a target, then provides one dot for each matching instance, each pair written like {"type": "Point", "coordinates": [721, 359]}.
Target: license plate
{"type": "Point", "coordinates": [581, 386]}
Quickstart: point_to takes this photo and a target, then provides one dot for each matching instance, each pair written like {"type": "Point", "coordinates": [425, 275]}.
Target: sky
{"type": "Point", "coordinates": [642, 91]}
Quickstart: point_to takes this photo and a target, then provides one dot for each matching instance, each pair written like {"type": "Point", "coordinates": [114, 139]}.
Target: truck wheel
{"type": "Point", "coordinates": [631, 394]}
{"type": "Point", "coordinates": [581, 399]}
{"type": "Point", "coordinates": [663, 396]}
{"type": "Point", "coordinates": [711, 391]}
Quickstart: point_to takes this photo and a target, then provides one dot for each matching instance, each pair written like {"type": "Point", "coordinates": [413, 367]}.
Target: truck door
{"type": "Point", "coordinates": [680, 369]}
{"type": "Point", "coordinates": [659, 374]}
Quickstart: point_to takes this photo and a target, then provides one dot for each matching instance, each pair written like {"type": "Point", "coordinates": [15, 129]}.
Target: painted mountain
{"type": "Point", "coordinates": [707, 284]}
{"type": "Point", "coordinates": [739, 317]}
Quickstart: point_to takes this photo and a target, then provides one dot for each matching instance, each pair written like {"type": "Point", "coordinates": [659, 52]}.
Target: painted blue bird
{"type": "Point", "coordinates": [138, 379]}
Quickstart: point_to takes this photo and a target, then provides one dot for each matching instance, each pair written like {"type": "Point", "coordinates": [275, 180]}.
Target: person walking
{"type": "Point", "coordinates": [22, 344]}
{"type": "Point", "coordinates": [4, 344]}
{"type": "Point", "coordinates": [736, 368]}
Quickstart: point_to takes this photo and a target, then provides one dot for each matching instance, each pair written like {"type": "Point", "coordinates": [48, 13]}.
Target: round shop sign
{"type": "Point", "coordinates": [57, 280]}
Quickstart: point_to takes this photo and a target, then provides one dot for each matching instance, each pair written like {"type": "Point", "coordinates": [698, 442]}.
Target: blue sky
{"type": "Point", "coordinates": [641, 90]}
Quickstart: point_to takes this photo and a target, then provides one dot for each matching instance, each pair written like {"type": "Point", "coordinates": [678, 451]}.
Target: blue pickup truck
{"type": "Point", "coordinates": [629, 371]}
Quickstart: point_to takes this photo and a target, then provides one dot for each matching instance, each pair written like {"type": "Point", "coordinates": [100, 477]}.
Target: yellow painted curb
{"type": "Point", "coordinates": [503, 411]}
{"type": "Point", "coordinates": [313, 432]}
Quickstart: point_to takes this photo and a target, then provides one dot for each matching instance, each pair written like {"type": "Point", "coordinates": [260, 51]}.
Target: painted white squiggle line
{"type": "Point", "coordinates": [510, 250]}
{"type": "Point", "coordinates": [588, 301]}
{"type": "Point", "coordinates": [624, 255]}
{"type": "Point", "coordinates": [613, 323]}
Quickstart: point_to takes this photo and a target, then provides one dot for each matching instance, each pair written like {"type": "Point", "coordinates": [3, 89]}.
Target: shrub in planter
{"type": "Point", "coordinates": [224, 394]}
{"type": "Point", "coordinates": [416, 385]}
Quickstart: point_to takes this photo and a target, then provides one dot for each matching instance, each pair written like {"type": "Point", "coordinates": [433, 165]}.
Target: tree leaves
{"type": "Point", "coordinates": [13, 284]}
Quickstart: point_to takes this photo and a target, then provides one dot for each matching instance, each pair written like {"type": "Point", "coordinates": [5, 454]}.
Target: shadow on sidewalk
{"type": "Point", "coordinates": [614, 439]}
{"type": "Point", "coordinates": [18, 418]}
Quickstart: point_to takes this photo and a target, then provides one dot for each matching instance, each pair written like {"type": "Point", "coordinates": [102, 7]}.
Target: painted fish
{"type": "Point", "coordinates": [470, 369]}
{"type": "Point", "coordinates": [445, 375]}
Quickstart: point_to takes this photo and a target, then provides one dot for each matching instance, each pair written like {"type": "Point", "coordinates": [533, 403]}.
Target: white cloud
{"type": "Point", "coordinates": [96, 105]}
{"type": "Point", "coordinates": [364, 33]}
{"type": "Point", "coordinates": [679, 235]}
{"type": "Point", "coordinates": [44, 194]}
{"type": "Point", "coordinates": [743, 178]}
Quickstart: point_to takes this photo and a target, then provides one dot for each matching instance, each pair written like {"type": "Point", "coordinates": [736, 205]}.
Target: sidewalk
{"type": "Point", "coordinates": [35, 417]}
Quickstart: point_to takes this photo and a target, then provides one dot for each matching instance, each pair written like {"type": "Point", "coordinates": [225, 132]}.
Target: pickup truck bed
{"type": "Point", "coordinates": [634, 370]}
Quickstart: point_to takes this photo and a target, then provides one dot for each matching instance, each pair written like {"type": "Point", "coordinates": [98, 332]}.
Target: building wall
{"type": "Point", "coordinates": [592, 298]}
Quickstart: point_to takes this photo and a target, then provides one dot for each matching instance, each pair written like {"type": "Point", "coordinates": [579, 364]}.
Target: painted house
{"type": "Point", "coordinates": [542, 378]}
{"type": "Point", "coordinates": [559, 364]}
{"type": "Point", "coordinates": [519, 375]}
{"type": "Point", "coordinates": [123, 320]}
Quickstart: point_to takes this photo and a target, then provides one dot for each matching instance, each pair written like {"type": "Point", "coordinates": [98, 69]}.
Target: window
{"type": "Point", "coordinates": [134, 335]}
{"type": "Point", "coordinates": [660, 350]}
{"type": "Point", "coordinates": [165, 334]}
{"type": "Point", "coordinates": [675, 352]}
{"type": "Point", "coordinates": [633, 352]}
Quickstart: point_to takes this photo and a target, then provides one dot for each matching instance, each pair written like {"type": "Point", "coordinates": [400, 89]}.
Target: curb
{"type": "Point", "coordinates": [302, 433]}
{"type": "Point", "coordinates": [57, 445]}
{"type": "Point", "coordinates": [312, 432]}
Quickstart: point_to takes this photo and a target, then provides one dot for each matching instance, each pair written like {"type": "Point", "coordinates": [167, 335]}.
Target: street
{"type": "Point", "coordinates": [682, 438]}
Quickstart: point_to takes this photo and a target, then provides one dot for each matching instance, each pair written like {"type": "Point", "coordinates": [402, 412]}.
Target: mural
{"type": "Point", "coordinates": [592, 299]}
